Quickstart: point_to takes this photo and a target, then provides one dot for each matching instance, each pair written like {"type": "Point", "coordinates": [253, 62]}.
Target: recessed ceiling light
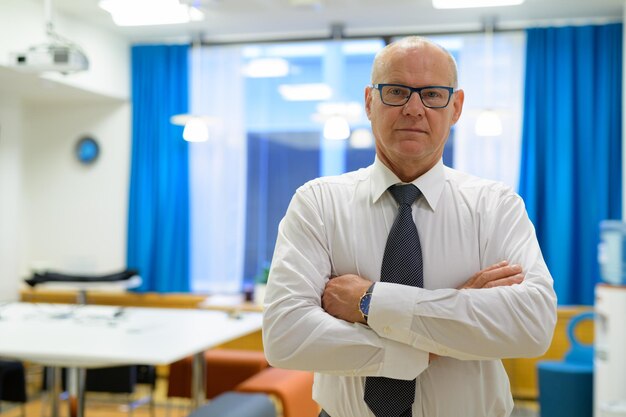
{"type": "Point", "coordinates": [305, 92]}
{"type": "Point", "coordinates": [266, 68]}
{"type": "Point", "coordinates": [464, 4]}
{"type": "Point", "coordinates": [150, 12]}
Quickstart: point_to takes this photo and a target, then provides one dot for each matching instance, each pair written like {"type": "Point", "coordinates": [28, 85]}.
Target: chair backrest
{"type": "Point", "coordinates": [579, 352]}
{"type": "Point", "coordinates": [12, 381]}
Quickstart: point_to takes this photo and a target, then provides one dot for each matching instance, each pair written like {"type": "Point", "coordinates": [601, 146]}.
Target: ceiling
{"type": "Point", "coordinates": [257, 20]}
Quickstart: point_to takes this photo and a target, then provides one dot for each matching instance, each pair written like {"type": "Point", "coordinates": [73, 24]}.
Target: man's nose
{"type": "Point", "coordinates": [414, 107]}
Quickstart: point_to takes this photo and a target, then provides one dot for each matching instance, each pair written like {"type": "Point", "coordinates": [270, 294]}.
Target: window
{"type": "Point", "coordinates": [273, 102]}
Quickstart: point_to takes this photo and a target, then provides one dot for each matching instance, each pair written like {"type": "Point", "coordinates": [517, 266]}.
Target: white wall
{"type": "Point", "coordinates": [10, 195]}
{"type": "Point", "coordinates": [54, 212]}
{"type": "Point", "coordinates": [75, 215]}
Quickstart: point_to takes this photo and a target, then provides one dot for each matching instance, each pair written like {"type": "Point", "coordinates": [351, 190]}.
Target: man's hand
{"type": "Point", "coordinates": [497, 275]}
{"type": "Point", "coordinates": [341, 297]}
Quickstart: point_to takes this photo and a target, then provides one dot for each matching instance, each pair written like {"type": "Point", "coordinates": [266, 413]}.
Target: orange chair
{"type": "Point", "coordinates": [225, 368]}
{"type": "Point", "coordinates": [292, 388]}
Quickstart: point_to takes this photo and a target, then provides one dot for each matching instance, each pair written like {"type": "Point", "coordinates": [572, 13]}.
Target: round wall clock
{"type": "Point", "coordinates": [87, 150]}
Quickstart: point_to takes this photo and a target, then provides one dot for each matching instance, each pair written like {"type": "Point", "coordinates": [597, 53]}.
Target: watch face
{"type": "Point", "coordinates": [364, 305]}
{"type": "Point", "coordinates": [87, 150]}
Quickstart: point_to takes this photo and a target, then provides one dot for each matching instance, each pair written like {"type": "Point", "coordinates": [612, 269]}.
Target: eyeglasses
{"type": "Point", "coordinates": [432, 96]}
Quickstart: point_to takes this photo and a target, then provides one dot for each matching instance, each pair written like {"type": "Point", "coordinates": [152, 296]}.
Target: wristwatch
{"type": "Point", "coordinates": [364, 302]}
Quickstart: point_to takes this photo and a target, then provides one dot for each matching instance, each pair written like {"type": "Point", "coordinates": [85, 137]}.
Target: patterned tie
{"type": "Point", "coordinates": [402, 264]}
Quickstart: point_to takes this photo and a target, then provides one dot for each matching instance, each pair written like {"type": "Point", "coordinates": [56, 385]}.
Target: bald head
{"type": "Point", "coordinates": [417, 44]}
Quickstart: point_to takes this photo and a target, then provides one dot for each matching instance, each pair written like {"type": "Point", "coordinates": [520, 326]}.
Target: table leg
{"type": "Point", "coordinates": [198, 380]}
{"type": "Point", "coordinates": [54, 389]}
{"type": "Point", "coordinates": [76, 390]}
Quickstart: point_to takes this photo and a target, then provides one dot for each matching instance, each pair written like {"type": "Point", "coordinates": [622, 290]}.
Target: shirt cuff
{"type": "Point", "coordinates": [403, 361]}
{"type": "Point", "coordinates": [391, 311]}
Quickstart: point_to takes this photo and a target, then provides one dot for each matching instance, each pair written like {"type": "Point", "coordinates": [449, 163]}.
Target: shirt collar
{"type": "Point", "coordinates": [430, 183]}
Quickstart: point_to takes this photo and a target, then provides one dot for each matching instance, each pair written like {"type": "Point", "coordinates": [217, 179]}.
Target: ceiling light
{"type": "Point", "coordinates": [266, 68]}
{"type": "Point", "coordinates": [196, 131]}
{"type": "Point", "coordinates": [196, 126]}
{"type": "Point", "coordinates": [361, 139]}
{"type": "Point", "coordinates": [488, 124]}
{"type": "Point", "coordinates": [464, 4]}
{"type": "Point", "coordinates": [351, 110]}
{"type": "Point", "coordinates": [305, 92]}
{"type": "Point", "coordinates": [336, 128]}
{"type": "Point", "coordinates": [336, 117]}
{"type": "Point", "coordinates": [150, 12]}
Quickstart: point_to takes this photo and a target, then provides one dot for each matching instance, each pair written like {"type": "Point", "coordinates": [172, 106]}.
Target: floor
{"type": "Point", "coordinates": [107, 405]}
{"type": "Point", "coordinates": [99, 404]}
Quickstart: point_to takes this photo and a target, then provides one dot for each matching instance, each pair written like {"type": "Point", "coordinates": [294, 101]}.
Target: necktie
{"type": "Point", "coordinates": [402, 264]}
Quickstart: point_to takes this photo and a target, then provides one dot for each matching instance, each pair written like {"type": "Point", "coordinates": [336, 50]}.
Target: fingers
{"type": "Point", "coordinates": [505, 282]}
{"type": "Point", "coordinates": [341, 296]}
{"type": "Point", "coordinates": [494, 266]}
{"type": "Point", "coordinates": [496, 275]}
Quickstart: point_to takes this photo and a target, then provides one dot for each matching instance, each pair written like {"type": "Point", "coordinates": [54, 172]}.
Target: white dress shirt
{"type": "Point", "coordinates": [339, 225]}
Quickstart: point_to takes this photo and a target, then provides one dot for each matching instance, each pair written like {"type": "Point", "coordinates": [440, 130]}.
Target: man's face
{"type": "Point", "coordinates": [412, 136]}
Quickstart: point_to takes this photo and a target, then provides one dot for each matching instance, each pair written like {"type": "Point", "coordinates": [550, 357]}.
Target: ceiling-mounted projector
{"type": "Point", "coordinates": [58, 54]}
{"type": "Point", "coordinates": [63, 58]}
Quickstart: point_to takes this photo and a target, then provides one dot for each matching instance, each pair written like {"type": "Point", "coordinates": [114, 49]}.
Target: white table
{"type": "Point", "coordinates": [88, 336]}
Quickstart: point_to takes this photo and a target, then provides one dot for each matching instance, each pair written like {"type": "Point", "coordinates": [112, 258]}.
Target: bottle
{"type": "Point", "coordinates": [612, 252]}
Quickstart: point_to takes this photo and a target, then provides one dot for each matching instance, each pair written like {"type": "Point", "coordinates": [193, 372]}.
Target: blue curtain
{"type": "Point", "coordinates": [571, 168]}
{"type": "Point", "coordinates": [158, 217]}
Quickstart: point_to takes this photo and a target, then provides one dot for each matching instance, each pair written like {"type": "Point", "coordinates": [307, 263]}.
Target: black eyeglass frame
{"type": "Point", "coordinates": [417, 90]}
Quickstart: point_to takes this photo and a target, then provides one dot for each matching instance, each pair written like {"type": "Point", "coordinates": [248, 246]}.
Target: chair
{"type": "Point", "coordinates": [237, 404]}
{"type": "Point", "coordinates": [12, 383]}
{"type": "Point", "coordinates": [123, 380]}
{"type": "Point", "coordinates": [225, 368]}
{"type": "Point", "coordinates": [566, 387]}
{"type": "Point", "coordinates": [117, 380]}
{"type": "Point", "coordinates": [292, 388]}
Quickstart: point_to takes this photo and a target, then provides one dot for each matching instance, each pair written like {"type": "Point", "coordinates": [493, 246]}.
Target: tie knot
{"type": "Point", "coordinates": [405, 193]}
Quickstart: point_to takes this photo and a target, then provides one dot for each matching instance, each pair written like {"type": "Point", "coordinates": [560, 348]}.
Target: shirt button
{"type": "Point", "coordinates": [386, 329]}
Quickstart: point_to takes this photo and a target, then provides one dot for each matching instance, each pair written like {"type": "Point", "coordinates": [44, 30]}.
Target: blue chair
{"type": "Point", "coordinates": [566, 387]}
{"type": "Point", "coordinates": [237, 404]}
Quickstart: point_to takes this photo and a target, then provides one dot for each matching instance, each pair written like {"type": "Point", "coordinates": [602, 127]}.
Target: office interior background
{"type": "Point", "coordinates": [266, 78]}
{"type": "Point", "coordinates": [202, 217]}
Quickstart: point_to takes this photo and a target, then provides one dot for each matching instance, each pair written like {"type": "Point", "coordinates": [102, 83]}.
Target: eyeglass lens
{"type": "Point", "coordinates": [394, 95]}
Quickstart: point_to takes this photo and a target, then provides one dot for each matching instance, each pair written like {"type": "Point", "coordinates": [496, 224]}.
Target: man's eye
{"type": "Point", "coordinates": [434, 93]}
{"type": "Point", "coordinates": [431, 94]}
{"type": "Point", "coordinates": [396, 91]}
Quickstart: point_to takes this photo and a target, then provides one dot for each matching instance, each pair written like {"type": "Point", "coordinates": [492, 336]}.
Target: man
{"type": "Point", "coordinates": [480, 290]}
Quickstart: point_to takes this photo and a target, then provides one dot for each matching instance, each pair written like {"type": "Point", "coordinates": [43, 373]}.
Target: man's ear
{"type": "Point", "coordinates": [457, 104]}
{"type": "Point", "coordinates": [368, 101]}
